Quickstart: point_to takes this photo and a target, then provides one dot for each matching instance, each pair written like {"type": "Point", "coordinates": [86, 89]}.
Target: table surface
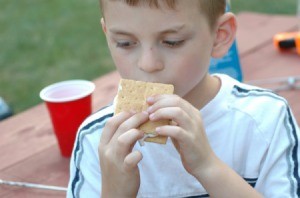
{"type": "Point", "coordinates": [28, 148]}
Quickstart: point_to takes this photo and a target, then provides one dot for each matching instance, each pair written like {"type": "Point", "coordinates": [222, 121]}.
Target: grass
{"type": "Point", "coordinates": [266, 6]}
{"type": "Point", "coordinates": [44, 41]}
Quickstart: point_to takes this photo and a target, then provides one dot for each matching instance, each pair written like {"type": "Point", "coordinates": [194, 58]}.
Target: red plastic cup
{"type": "Point", "coordinates": [69, 103]}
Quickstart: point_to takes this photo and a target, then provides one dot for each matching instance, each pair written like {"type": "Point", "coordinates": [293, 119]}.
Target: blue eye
{"type": "Point", "coordinates": [173, 43]}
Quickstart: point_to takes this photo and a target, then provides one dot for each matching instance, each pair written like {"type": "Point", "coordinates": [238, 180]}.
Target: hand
{"type": "Point", "coordinates": [189, 138]}
{"type": "Point", "coordinates": [187, 131]}
{"type": "Point", "coordinates": [119, 164]}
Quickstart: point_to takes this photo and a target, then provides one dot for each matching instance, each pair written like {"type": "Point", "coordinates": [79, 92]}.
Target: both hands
{"type": "Point", "coordinates": [119, 163]}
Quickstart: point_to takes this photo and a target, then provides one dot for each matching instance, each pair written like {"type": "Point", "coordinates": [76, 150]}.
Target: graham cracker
{"type": "Point", "coordinates": [132, 95]}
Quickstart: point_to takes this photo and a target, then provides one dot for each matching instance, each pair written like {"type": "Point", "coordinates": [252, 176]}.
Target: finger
{"type": "Point", "coordinates": [154, 98]}
{"type": "Point", "coordinates": [127, 140]}
{"type": "Point", "coordinates": [132, 122]}
{"type": "Point", "coordinates": [174, 132]}
{"type": "Point", "coordinates": [163, 101]}
{"type": "Point", "coordinates": [112, 125]}
{"type": "Point", "coordinates": [132, 159]}
{"type": "Point", "coordinates": [175, 114]}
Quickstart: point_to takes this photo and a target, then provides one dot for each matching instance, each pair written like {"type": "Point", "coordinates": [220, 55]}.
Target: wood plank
{"type": "Point", "coordinates": [268, 63]}
{"type": "Point", "coordinates": [36, 169]}
{"type": "Point", "coordinates": [25, 134]}
{"type": "Point", "coordinates": [29, 193]}
{"type": "Point", "coordinates": [255, 29]}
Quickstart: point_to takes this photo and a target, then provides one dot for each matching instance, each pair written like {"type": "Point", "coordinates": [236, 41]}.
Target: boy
{"type": "Point", "coordinates": [227, 139]}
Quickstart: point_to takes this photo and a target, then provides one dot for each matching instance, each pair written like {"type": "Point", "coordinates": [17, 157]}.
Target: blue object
{"type": "Point", "coordinates": [5, 110]}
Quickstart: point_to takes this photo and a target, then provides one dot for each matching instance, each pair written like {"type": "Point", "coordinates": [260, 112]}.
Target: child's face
{"type": "Point", "coordinates": [159, 45]}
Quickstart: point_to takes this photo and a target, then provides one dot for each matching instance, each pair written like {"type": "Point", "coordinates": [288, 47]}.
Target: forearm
{"type": "Point", "coordinates": [108, 193]}
{"type": "Point", "coordinates": [219, 180]}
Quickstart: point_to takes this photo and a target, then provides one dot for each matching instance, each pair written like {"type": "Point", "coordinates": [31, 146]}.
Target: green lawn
{"type": "Point", "coordinates": [44, 41]}
{"type": "Point", "coordinates": [266, 6]}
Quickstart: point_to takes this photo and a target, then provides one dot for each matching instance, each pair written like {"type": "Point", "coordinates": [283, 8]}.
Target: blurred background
{"type": "Point", "coordinates": [42, 42]}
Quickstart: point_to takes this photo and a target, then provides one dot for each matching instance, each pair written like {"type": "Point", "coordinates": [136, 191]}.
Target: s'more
{"type": "Point", "coordinates": [132, 95]}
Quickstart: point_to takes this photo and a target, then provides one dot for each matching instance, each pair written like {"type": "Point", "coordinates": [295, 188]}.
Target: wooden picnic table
{"type": "Point", "coordinates": [28, 148]}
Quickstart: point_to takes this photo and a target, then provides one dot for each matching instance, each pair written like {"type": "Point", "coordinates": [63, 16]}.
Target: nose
{"type": "Point", "coordinates": [149, 61]}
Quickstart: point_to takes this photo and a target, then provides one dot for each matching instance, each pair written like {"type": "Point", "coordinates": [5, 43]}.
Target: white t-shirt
{"type": "Point", "coordinates": [251, 129]}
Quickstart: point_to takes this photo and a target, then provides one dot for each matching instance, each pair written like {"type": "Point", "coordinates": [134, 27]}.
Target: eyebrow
{"type": "Point", "coordinates": [174, 29]}
{"type": "Point", "coordinates": [120, 32]}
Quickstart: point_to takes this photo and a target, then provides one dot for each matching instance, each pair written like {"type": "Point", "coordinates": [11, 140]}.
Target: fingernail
{"type": "Point", "coordinates": [150, 99]}
{"type": "Point", "coordinates": [157, 129]}
{"type": "Point", "coordinates": [145, 112]}
{"type": "Point", "coordinates": [151, 117]}
{"type": "Point", "coordinates": [149, 109]}
{"type": "Point", "coordinates": [132, 112]}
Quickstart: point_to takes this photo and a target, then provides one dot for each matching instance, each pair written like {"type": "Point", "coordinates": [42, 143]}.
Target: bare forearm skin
{"type": "Point", "coordinates": [219, 180]}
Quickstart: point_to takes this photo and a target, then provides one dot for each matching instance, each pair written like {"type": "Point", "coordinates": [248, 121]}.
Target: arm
{"type": "Point", "coordinates": [221, 181]}
{"type": "Point", "coordinates": [279, 174]}
{"type": "Point", "coordinates": [188, 135]}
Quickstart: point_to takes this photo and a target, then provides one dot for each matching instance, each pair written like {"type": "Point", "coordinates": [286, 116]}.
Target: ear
{"type": "Point", "coordinates": [225, 35]}
{"type": "Point", "coordinates": [103, 25]}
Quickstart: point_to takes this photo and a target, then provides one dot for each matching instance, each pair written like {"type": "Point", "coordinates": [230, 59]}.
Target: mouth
{"type": "Point", "coordinates": [152, 80]}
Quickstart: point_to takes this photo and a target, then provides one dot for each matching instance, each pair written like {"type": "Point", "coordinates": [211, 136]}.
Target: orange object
{"type": "Point", "coordinates": [287, 41]}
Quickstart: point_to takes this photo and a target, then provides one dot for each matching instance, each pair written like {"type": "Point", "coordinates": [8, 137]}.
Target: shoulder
{"type": "Point", "coordinates": [252, 99]}
{"type": "Point", "coordinates": [93, 124]}
{"type": "Point", "coordinates": [256, 100]}
{"type": "Point", "coordinates": [97, 118]}
{"type": "Point", "coordinates": [90, 130]}
{"type": "Point", "coordinates": [84, 164]}
{"type": "Point", "coordinates": [266, 109]}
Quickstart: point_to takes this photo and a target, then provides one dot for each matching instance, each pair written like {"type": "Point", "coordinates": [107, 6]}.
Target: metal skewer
{"type": "Point", "coordinates": [285, 83]}
{"type": "Point", "coordinates": [31, 185]}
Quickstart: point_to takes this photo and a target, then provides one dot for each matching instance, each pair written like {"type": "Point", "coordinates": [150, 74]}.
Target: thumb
{"type": "Point", "coordinates": [131, 160]}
